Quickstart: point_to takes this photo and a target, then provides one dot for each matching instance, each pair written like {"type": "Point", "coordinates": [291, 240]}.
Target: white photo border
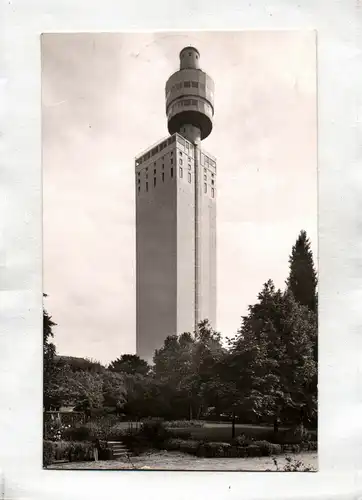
{"type": "Point", "coordinates": [339, 44]}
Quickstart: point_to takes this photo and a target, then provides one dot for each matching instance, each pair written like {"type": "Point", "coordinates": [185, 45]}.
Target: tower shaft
{"type": "Point", "coordinates": [176, 215]}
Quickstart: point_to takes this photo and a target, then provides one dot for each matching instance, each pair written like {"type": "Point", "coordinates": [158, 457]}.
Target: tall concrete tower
{"type": "Point", "coordinates": [176, 215]}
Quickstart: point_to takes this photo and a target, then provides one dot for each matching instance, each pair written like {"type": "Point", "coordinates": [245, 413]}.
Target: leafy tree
{"type": "Point", "coordinates": [184, 367]}
{"type": "Point", "coordinates": [114, 391]}
{"type": "Point", "coordinates": [131, 364]}
{"type": "Point", "coordinates": [274, 354]}
{"type": "Point", "coordinates": [82, 364]}
{"type": "Point", "coordinates": [302, 281]}
{"type": "Point", "coordinates": [85, 389]}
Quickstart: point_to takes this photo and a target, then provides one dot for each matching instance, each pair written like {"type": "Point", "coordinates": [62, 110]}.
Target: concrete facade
{"type": "Point", "coordinates": [175, 228]}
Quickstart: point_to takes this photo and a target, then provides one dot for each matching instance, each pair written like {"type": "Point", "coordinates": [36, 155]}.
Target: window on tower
{"type": "Point", "coordinates": [163, 177]}
{"type": "Point", "coordinates": [205, 187]}
{"type": "Point", "coordinates": [139, 188]}
{"type": "Point", "coordinates": [195, 84]}
{"type": "Point", "coordinates": [213, 192]}
{"type": "Point", "coordinates": [187, 84]}
{"type": "Point", "coordinates": [189, 177]}
{"type": "Point", "coordinates": [180, 161]}
{"type": "Point", "coordinates": [181, 172]}
{"type": "Point", "coordinates": [154, 170]}
{"type": "Point", "coordinates": [205, 177]}
{"type": "Point", "coordinates": [146, 186]}
{"type": "Point", "coordinates": [154, 182]}
{"type": "Point", "coordinates": [171, 171]}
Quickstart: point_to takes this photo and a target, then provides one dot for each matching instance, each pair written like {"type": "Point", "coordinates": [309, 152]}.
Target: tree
{"type": "Point", "coordinates": [302, 281]}
{"type": "Point", "coordinates": [273, 352]}
{"type": "Point", "coordinates": [184, 367]}
{"type": "Point", "coordinates": [82, 364]}
{"type": "Point", "coordinates": [49, 352]}
{"type": "Point", "coordinates": [114, 391]}
{"type": "Point", "coordinates": [131, 364]}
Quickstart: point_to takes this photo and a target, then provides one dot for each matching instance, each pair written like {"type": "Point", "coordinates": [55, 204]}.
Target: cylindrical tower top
{"type": "Point", "coordinates": [189, 58]}
{"type": "Point", "coordinates": [190, 97]}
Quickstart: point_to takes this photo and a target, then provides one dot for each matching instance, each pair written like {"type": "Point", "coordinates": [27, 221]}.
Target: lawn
{"type": "Point", "coordinates": [223, 431]}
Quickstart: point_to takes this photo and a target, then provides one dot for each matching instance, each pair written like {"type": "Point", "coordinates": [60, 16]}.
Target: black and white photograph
{"type": "Point", "coordinates": [180, 251]}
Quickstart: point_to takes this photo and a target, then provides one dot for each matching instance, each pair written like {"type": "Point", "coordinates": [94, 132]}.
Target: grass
{"type": "Point", "coordinates": [223, 432]}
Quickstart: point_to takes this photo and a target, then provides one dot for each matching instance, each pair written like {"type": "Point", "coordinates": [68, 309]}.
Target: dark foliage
{"type": "Point", "coordinates": [302, 281]}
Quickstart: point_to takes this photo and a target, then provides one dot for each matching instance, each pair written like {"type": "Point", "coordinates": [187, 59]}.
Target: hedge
{"type": "Point", "coordinates": [222, 433]}
{"type": "Point", "coordinates": [220, 449]}
{"type": "Point", "coordinates": [72, 451]}
{"type": "Point", "coordinates": [95, 431]}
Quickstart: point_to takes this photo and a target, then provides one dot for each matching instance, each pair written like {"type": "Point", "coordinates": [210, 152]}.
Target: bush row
{"type": "Point", "coordinates": [212, 449]}
{"type": "Point", "coordinates": [223, 434]}
{"type": "Point", "coordinates": [95, 431]}
{"type": "Point", "coordinates": [72, 451]}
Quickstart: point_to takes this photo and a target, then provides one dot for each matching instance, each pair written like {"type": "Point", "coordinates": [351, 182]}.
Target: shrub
{"type": "Point", "coordinates": [173, 444]}
{"type": "Point", "coordinates": [81, 451]}
{"type": "Point", "coordinates": [80, 432]}
{"type": "Point", "coordinates": [267, 449]}
{"type": "Point", "coordinates": [103, 429]}
{"type": "Point", "coordinates": [253, 451]}
{"type": "Point", "coordinates": [189, 446]}
{"type": "Point", "coordinates": [214, 449]}
{"type": "Point", "coordinates": [154, 431]}
{"type": "Point", "coordinates": [55, 430]}
{"type": "Point", "coordinates": [72, 451]}
{"type": "Point", "coordinates": [242, 451]}
{"type": "Point", "coordinates": [104, 452]}
{"type": "Point", "coordinates": [48, 453]}
{"type": "Point", "coordinates": [117, 432]}
{"type": "Point", "coordinates": [243, 440]}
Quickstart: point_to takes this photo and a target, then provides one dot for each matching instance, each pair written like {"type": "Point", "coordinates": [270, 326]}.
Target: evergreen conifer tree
{"type": "Point", "coordinates": [302, 281]}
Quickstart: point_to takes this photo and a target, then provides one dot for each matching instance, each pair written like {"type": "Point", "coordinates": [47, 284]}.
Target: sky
{"type": "Point", "coordinates": [103, 103]}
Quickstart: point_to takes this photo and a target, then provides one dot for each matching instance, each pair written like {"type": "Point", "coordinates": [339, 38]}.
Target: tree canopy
{"type": "Point", "coordinates": [268, 371]}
